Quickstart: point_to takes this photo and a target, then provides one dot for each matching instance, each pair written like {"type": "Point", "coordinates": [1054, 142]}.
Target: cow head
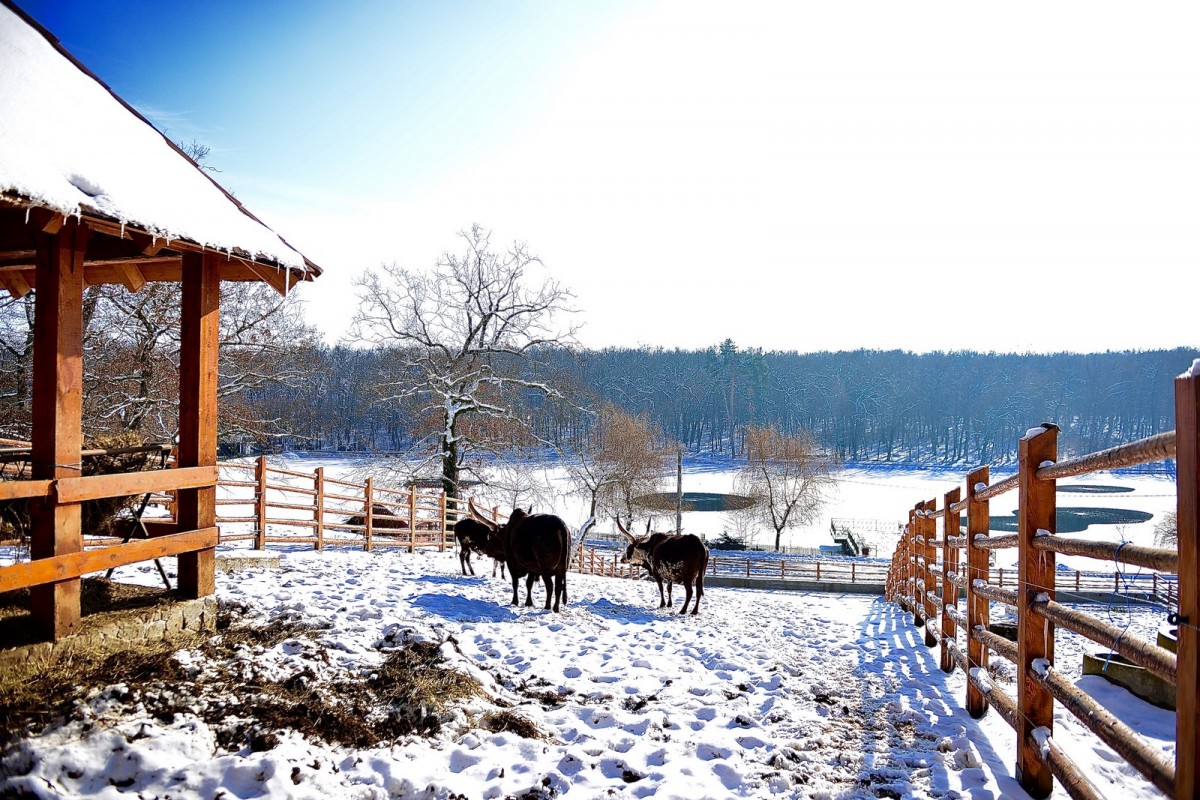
{"type": "Point", "coordinates": [636, 552]}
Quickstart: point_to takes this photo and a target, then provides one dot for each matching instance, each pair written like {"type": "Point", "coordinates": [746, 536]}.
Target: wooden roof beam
{"type": "Point", "coordinates": [131, 277]}
{"type": "Point", "coordinates": [15, 284]}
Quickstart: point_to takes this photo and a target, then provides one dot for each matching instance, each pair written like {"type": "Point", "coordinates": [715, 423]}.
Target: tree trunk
{"type": "Point", "coordinates": [450, 468]}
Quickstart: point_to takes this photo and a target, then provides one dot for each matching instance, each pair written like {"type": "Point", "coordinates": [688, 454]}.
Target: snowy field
{"type": "Point", "coordinates": [762, 695]}
{"type": "Point", "coordinates": [787, 694]}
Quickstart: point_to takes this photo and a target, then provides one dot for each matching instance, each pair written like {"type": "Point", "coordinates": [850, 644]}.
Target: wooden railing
{"type": "Point", "coordinates": [102, 553]}
{"type": "Point", "coordinates": [931, 571]}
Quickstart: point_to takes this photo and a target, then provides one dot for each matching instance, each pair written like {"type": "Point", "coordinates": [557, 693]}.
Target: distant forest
{"type": "Point", "coordinates": [864, 406]}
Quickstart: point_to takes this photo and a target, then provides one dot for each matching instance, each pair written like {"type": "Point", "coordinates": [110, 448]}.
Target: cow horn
{"type": "Point", "coordinates": [624, 532]}
{"type": "Point", "coordinates": [477, 516]}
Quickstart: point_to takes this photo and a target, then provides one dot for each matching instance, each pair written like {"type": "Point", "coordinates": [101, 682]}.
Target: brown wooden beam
{"type": "Point", "coordinates": [1187, 520]}
{"type": "Point", "coordinates": [1035, 635]}
{"type": "Point", "coordinates": [57, 438]}
{"type": "Point", "coordinates": [75, 565]}
{"type": "Point", "coordinates": [94, 487]}
{"type": "Point", "coordinates": [199, 338]}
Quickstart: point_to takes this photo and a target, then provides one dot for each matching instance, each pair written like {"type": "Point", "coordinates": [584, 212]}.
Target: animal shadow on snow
{"type": "Point", "coordinates": [461, 609]}
{"type": "Point", "coordinates": [620, 611]}
{"type": "Point", "coordinates": [449, 580]}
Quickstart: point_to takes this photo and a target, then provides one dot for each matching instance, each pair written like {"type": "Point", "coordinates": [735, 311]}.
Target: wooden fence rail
{"type": "Point", "coordinates": [929, 575]}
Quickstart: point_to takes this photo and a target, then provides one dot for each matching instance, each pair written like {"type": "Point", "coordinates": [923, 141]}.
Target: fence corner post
{"type": "Point", "coordinates": [1035, 634]}
{"type": "Point", "coordinates": [1187, 509]}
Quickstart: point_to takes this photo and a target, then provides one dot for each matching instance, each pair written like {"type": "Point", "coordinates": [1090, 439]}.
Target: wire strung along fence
{"type": "Point", "coordinates": [931, 571]}
{"type": "Point", "coordinates": [309, 508]}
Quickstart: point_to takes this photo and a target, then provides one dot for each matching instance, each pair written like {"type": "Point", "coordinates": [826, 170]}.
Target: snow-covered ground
{"type": "Point", "coordinates": [786, 694]}
{"type": "Point", "coordinates": [761, 695]}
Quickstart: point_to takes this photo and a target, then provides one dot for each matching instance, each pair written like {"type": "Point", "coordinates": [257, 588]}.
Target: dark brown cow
{"type": "Point", "coordinates": [377, 511]}
{"type": "Point", "coordinates": [532, 546]}
{"type": "Point", "coordinates": [472, 537]}
{"type": "Point", "coordinates": [670, 558]}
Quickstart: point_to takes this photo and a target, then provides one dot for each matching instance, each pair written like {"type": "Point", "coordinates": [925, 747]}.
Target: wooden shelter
{"type": "Point", "coordinates": [91, 193]}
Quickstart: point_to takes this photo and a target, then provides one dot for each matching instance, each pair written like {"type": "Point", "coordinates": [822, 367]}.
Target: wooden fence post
{"type": "Point", "coordinates": [951, 524]}
{"type": "Point", "coordinates": [928, 526]}
{"type": "Point", "coordinates": [979, 610]}
{"type": "Point", "coordinates": [914, 585]}
{"type": "Point", "coordinates": [368, 494]}
{"type": "Point", "coordinates": [1035, 634]}
{"type": "Point", "coordinates": [260, 503]}
{"type": "Point", "coordinates": [442, 521]}
{"type": "Point", "coordinates": [319, 511]}
{"type": "Point", "coordinates": [412, 518]}
{"type": "Point", "coordinates": [1187, 509]}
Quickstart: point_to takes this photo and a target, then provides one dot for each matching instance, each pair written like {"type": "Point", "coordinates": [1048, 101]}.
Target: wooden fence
{"type": "Point", "coordinates": [307, 508]}
{"type": "Point", "coordinates": [931, 571]}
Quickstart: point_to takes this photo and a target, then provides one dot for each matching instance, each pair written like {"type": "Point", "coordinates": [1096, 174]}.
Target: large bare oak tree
{"type": "Point", "coordinates": [465, 334]}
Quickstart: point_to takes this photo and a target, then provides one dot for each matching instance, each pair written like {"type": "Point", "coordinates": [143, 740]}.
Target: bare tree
{"type": "Point", "coordinates": [786, 476]}
{"type": "Point", "coordinates": [624, 460]}
{"type": "Point", "coordinates": [466, 334]}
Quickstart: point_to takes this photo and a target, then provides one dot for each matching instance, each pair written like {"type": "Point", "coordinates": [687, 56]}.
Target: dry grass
{"type": "Point", "coordinates": [412, 693]}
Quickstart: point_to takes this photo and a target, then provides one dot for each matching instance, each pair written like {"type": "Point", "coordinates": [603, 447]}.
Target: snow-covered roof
{"type": "Point", "coordinates": [70, 145]}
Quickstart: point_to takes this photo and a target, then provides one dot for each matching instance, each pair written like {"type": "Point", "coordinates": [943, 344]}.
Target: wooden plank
{"type": "Point", "coordinates": [74, 565]}
{"type": "Point", "coordinates": [1187, 518]}
{"type": "Point", "coordinates": [57, 438]}
{"type": "Point", "coordinates": [260, 502]}
{"type": "Point", "coordinates": [1035, 634]}
{"type": "Point", "coordinates": [15, 490]}
{"type": "Point", "coordinates": [978, 608]}
{"type": "Point", "coordinates": [277, 279]}
{"type": "Point", "coordinates": [199, 338]}
{"type": "Point", "coordinates": [93, 487]}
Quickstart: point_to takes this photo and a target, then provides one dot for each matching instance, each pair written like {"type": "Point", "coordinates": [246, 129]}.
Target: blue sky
{"type": "Point", "coordinates": [792, 175]}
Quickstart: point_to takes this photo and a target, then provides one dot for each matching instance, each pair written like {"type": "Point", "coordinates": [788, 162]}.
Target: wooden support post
{"type": "Point", "coordinates": [1035, 635]}
{"type": "Point", "coordinates": [928, 526]}
{"type": "Point", "coordinates": [198, 342]}
{"type": "Point", "coordinates": [319, 510]}
{"type": "Point", "coordinates": [369, 517]}
{"type": "Point", "coordinates": [57, 419]}
{"type": "Point", "coordinates": [260, 503]}
{"type": "Point", "coordinates": [412, 518]}
{"type": "Point", "coordinates": [1187, 511]}
{"type": "Point", "coordinates": [951, 523]}
{"type": "Point", "coordinates": [979, 610]}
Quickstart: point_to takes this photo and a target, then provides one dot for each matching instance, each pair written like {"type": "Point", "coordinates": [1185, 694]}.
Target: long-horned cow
{"type": "Point", "coordinates": [672, 559]}
{"type": "Point", "coordinates": [472, 537]}
{"type": "Point", "coordinates": [533, 546]}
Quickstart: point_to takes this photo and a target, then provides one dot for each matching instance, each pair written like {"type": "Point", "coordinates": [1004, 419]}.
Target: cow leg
{"type": "Point", "coordinates": [699, 593]}
{"type": "Point", "coordinates": [670, 602]}
{"type": "Point", "coordinates": [516, 582]}
{"type": "Point", "coordinates": [551, 590]}
{"type": "Point", "coordinates": [562, 590]}
{"type": "Point", "coordinates": [662, 598]}
{"type": "Point", "coordinates": [529, 589]}
{"type": "Point", "coordinates": [687, 596]}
